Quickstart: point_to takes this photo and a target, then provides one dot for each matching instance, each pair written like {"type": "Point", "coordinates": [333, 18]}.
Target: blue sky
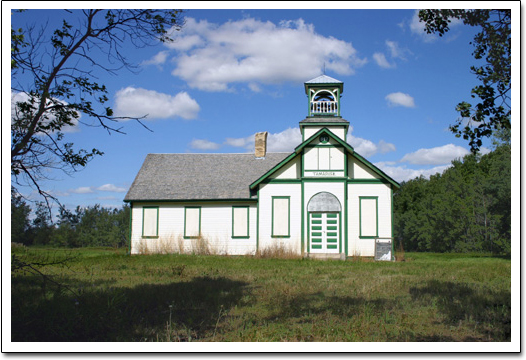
{"type": "Point", "coordinates": [232, 73]}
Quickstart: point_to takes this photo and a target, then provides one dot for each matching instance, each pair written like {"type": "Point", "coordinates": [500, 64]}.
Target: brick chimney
{"type": "Point", "coordinates": [261, 144]}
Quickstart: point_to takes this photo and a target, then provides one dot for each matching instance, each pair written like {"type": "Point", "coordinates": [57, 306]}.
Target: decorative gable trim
{"type": "Point", "coordinates": [341, 143]}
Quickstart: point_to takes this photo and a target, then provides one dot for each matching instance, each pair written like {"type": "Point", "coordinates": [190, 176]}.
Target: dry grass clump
{"type": "Point", "coordinates": [17, 246]}
{"type": "Point", "coordinates": [142, 247]}
{"type": "Point", "coordinates": [201, 246]}
{"type": "Point", "coordinates": [400, 253]}
{"type": "Point", "coordinates": [277, 251]}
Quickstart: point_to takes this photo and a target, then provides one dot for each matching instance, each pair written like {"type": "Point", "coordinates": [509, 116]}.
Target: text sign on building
{"type": "Point", "coordinates": [329, 173]}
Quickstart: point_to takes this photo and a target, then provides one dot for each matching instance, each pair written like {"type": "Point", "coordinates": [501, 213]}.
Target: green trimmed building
{"type": "Point", "coordinates": [322, 200]}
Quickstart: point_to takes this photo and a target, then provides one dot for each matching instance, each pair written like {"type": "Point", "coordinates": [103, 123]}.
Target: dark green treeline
{"type": "Point", "coordinates": [466, 208]}
{"type": "Point", "coordinates": [90, 226]}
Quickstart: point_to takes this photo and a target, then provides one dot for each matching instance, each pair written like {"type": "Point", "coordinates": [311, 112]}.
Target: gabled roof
{"type": "Point", "coordinates": [348, 147]}
{"type": "Point", "coordinates": [177, 177]}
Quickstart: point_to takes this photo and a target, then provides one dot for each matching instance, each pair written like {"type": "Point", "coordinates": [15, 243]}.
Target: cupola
{"type": "Point", "coordinates": [323, 94]}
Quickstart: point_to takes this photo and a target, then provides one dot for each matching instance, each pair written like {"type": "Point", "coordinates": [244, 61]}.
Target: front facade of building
{"type": "Point", "coordinates": [322, 200]}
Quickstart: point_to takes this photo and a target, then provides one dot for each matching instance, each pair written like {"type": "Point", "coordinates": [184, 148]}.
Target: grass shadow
{"type": "Point", "coordinates": [180, 311]}
{"type": "Point", "coordinates": [488, 310]}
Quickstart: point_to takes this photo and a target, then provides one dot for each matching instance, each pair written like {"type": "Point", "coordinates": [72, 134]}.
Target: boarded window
{"type": "Point", "coordinates": [280, 216]}
{"type": "Point", "coordinates": [311, 159]}
{"type": "Point", "coordinates": [368, 217]}
{"type": "Point", "coordinates": [192, 222]}
{"type": "Point", "coordinates": [240, 222]}
{"type": "Point", "coordinates": [150, 221]}
{"type": "Point", "coordinates": [324, 158]}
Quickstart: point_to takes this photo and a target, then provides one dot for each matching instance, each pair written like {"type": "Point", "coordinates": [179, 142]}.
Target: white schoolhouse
{"type": "Point", "coordinates": [322, 200]}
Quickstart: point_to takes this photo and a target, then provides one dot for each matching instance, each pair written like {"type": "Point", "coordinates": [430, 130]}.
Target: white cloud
{"type": "Point", "coordinates": [137, 102]}
{"type": "Point", "coordinates": [204, 145]}
{"type": "Point", "coordinates": [435, 156]}
{"type": "Point", "coordinates": [245, 142]}
{"type": "Point", "coordinates": [111, 188]}
{"type": "Point", "coordinates": [382, 61]}
{"type": "Point", "coordinates": [396, 51]}
{"type": "Point", "coordinates": [250, 51]}
{"type": "Point", "coordinates": [288, 139]}
{"type": "Point", "coordinates": [158, 59]}
{"type": "Point", "coordinates": [402, 173]}
{"type": "Point", "coordinates": [285, 141]}
{"type": "Point", "coordinates": [400, 99]}
{"type": "Point", "coordinates": [366, 147]}
{"type": "Point", "coordinates": [82, 190]}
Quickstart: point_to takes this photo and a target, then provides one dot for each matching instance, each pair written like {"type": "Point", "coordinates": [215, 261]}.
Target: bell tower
{"type": "Point", "coordinates": [323, 94]}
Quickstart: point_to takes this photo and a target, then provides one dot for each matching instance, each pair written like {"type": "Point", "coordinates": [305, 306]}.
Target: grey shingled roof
{"type": "Point", "coordinates": [199, 176]}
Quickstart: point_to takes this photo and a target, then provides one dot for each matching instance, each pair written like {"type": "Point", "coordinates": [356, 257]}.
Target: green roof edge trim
{"type": "Point", "coordinates": [296, 152]}
{"type": "Point", "coordinates": [349, 148]}
{"type": "Point", "coordinates": [273, 170]}
{"type": "Point", "coordinates": [377, 170]}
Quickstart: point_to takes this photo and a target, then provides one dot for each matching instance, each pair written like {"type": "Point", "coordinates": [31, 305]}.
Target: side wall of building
{"type": "Point", "coordinates": [361, 241]}
{"type": "Point", "coordinates": [215, 222]}
{"type": "Point", "coordinates": [272, 221]}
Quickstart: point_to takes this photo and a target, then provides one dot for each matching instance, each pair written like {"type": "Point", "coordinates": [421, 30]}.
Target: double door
{"type": "Point", "coordinates": [324, 232]}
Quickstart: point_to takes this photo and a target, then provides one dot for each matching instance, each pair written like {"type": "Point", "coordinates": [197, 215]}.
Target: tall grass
{"type": "Point", "coordinates": [117, 297]}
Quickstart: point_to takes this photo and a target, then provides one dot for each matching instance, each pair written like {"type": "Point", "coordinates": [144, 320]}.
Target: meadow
{"type": "Point", "coordinates": [103, 294]}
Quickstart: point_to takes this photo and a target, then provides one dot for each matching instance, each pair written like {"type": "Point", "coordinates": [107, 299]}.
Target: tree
{"type": "Point", "coordinates": [63, 85]}
{"type": "Point", "coordinates": [466, 208]}
{"type": "Point", "coordinates": [19, 219]}
{"type": "Point", "coordinates": [41, 227]}
{"type": "Point", "coordinates": [492, 44]}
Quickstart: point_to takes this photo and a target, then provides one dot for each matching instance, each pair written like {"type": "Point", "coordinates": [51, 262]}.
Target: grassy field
{"type": "Point", "coordinates": [112, 296]}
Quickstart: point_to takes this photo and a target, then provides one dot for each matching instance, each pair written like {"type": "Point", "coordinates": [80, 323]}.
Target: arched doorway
{"type": "Point", "coordinates": [324, 221]}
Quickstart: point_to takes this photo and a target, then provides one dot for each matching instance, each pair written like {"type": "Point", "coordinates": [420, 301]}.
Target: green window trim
{"type": "Point", "coordinates": [360, 212]}
{"type": "Point", "coordinates": [247, 236]}
{"type": "Point", "coordinates": [288, 219]}
{"type": "Point", "coordinates": [156, 236]}
{"type": "Point", "coordinates": [199, 226]}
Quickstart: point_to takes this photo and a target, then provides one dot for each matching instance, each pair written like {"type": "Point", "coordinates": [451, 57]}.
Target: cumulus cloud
{"type": "Point", "coordinates": [137, 102]}
{"type": "Point", "coordinates": [402, 173]}
{"type": "Point", "coordinates": [366, 147]}
{"type": "Point", "coordinates": [284, 141]}
{"type": "Point", "coordinates": [93, 189]}
{"type": "Point", "coordinates": [244, 142]}
{"type": "Point", "coordinates": [201, 144]}
{"type": "Point", "coordinates": [111, 188]}
{"type": "Point", "coordinates": [435, 156]}
{"type": "Point", "coordinates": [400, 99]}
{"type": "Point", "coordinates": [158, 59]}
{"type": "Point", "coordinates": [82, 190]}
{"type": "Point", "coordinates": [213, 57]}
